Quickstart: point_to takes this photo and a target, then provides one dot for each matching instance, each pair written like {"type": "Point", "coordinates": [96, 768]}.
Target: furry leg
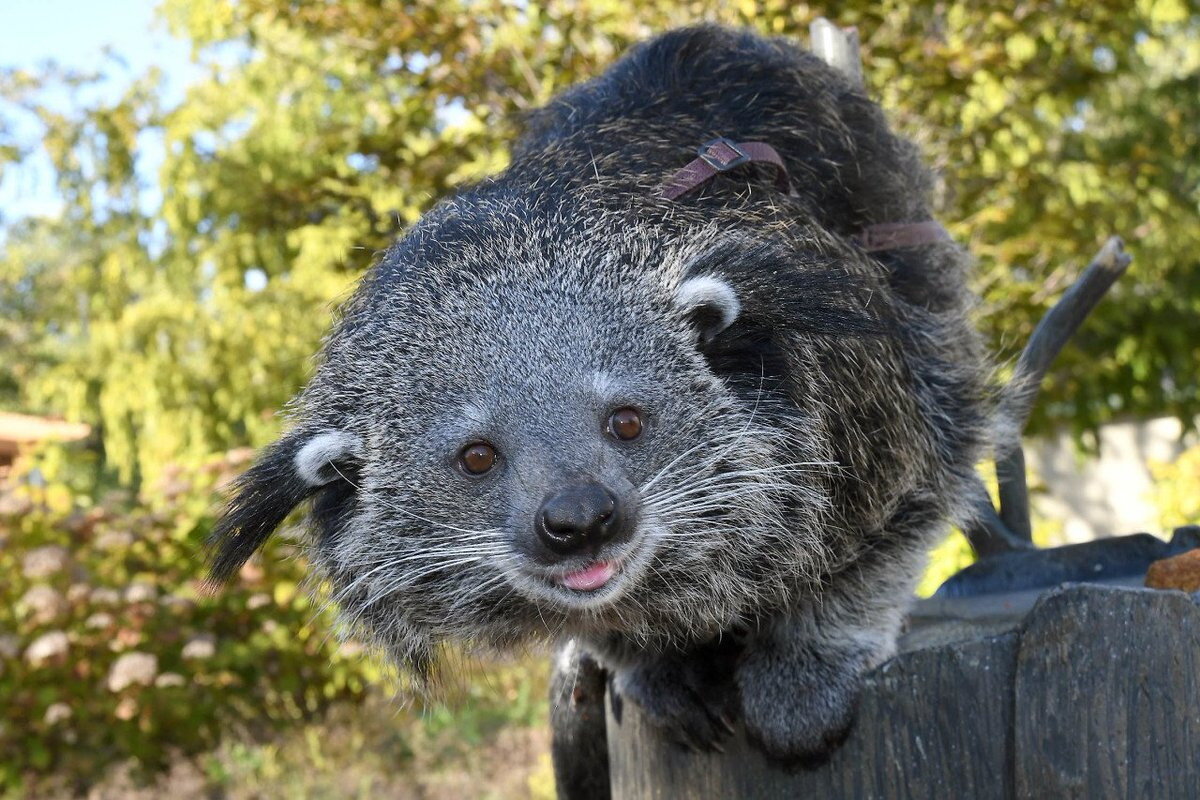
{"type": "Point", "coordinates": [578, 735]}
{"type": "Point", "coordinates": [800, 676]}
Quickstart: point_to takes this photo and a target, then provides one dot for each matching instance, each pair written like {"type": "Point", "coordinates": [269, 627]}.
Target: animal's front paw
{"type": "Point", "coordinates": [682, 700]}
{"type": "Point", "coordinates": [799, 705]}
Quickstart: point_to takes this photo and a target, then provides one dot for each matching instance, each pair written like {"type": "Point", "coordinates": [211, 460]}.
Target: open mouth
{"type": "Point", "coordinates": [590, 578]}
{"type": "Point", "coordinates": [594, 584]}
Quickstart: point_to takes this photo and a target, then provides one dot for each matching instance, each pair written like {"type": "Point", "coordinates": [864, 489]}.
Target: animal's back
{"type": "Point", "coordinates": [655, 106]}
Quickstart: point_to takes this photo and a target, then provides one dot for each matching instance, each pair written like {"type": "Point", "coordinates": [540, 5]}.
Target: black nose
{"type": "Point", "coordinates": [579, 516]}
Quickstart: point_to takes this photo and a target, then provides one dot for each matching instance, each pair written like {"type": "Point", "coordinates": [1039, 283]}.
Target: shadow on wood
{"type": "Point", "coordinates": [1092, 694]}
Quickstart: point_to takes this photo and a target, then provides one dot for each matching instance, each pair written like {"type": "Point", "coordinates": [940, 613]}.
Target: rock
{"type": "Point", "coordinates": [42, 604]}
{"type": "Point", "coordinates": [46, 647]}
{"type": "Point", "coordinates": [1178, 572]}
{"type": "Point", "coordinates": [132, 668]}
{"type": "Point", "coordinates": [257, 601]}
{"type": "Point", "coordinates": [42, 562]}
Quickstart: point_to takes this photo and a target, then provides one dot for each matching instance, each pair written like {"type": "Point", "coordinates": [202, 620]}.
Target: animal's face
{"type": "Point", "coordinates": [501, 452]}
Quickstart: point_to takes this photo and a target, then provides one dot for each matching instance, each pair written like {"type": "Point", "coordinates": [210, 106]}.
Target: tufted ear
{"type": "Point", "coordinates": [318, 459]}
{"type": "Point", "coordinates": [709, 304]}
{"type": "Point", "coordinates": [287, 473]}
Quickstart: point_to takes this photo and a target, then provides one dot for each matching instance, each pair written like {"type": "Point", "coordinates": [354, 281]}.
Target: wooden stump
{"type": "Point", "coordinates": [1094, 693]}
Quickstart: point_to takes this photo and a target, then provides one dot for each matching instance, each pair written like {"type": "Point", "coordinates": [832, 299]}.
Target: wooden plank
{"type": "Point", "coordinates": [837, 47]}
{"type": "Point", "coordinates": [1096, 696]}
{"type": "Point", "coordinates": [932, 723]}
{"type": "Point", "coordinates": [1107, 696]}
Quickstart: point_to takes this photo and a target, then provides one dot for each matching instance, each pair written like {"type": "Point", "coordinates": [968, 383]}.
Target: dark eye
{"type": "Point", "coordinates": [477, 458]}
{"type": "Point", "coordinates": [625, 424]}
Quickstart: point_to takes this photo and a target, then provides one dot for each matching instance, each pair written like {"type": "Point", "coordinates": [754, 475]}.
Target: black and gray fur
{"type": "Point", "coordinates": [813, 412]}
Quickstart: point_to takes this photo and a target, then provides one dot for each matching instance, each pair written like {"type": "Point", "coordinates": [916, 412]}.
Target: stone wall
{"type": "Point", "coordinates": [1108, 495]}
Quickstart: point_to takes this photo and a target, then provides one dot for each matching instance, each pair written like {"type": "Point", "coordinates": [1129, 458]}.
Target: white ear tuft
{"type": "Point", "coordinates": [314, 461]}
{"type": "Point", "coordinates": [710, 303]}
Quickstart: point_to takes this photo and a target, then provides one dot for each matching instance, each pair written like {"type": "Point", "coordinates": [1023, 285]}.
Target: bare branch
{"type": "Point", "coordinates": [988, 534]}
{"type": "Point", "coordinates": [1061, 322]}
{"type": "Point", "coordinates": [1048, 339]}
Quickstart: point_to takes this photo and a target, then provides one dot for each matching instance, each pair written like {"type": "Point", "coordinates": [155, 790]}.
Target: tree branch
{"type": "Point", "coordinates": [1048, 339]}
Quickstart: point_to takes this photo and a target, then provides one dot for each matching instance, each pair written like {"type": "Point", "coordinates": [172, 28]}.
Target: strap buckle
{"type": "Point", "coordinates": [722, 154]}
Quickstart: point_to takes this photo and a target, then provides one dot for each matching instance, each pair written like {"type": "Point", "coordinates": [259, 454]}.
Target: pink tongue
{"type": "Point", "coordinates": [589, 578]}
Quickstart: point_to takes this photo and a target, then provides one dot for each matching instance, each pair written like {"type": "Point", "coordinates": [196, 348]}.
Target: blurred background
{"type": "Point", "coordinates": [187, 190]}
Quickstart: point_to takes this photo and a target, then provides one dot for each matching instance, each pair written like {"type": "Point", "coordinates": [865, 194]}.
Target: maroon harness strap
{"type": "Point", "coordinates": [896, 235]}
{"type": "Point", "coordinates": [721, 155]}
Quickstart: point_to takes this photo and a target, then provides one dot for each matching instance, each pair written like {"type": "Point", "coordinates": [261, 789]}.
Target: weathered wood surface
{"type": "Point", "coordinates": [1107, 695]}
{"type": "Point", "coordinates": [1094, 694]}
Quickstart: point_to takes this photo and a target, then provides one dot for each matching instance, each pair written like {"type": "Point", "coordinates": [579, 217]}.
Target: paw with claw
{"type": "Point", "coordinates": [686, 699]}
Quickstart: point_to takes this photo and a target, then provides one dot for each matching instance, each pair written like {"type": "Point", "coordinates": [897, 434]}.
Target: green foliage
{"type": "Point", "coordinates": [321, 129]}
{"type": "Point", "coordinates": [1177, 489]}
{"type": "Point", "coordinates": [114, 652]}
{"type": "Point", "coordinates": [947, 558]}
{"type": "Point", "coordinates": [112, 649]}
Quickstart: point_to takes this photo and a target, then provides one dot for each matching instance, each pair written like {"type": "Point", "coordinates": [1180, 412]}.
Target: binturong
{"type": "Point", "coordinates": [698, 424]}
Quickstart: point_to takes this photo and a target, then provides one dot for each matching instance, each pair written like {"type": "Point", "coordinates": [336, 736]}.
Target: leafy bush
{"type": "Point", "coordinates": [112, 649]}
{"type": "Point", "coordinates": [1177, 489]}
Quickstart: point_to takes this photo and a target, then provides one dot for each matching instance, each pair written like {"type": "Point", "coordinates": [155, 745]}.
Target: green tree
{"type": "Point", "coordinates": [320, 130]}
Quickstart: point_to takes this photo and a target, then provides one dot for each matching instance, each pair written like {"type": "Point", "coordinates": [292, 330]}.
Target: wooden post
{"type": "Point", "coordinates": [837, 47]}
{"type": "Point", "coordinates": [1092, 694]}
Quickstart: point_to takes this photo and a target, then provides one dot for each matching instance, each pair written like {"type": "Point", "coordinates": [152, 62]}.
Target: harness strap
{"type": "Point", "coordinates": [721, 155]}
{"type": "Point", "coordinates": [897, 235]}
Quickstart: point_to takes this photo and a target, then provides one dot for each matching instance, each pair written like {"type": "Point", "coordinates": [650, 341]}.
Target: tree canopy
{"type": "Point", "coordinates": [178, 310]}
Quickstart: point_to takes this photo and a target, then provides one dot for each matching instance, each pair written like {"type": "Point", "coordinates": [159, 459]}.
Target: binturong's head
{"type": "Point", "coordinates": [524, 425]}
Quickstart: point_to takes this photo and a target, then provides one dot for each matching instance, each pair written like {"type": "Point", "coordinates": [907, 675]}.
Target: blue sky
{"type": "Point", "coordinates": [75, 33]}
